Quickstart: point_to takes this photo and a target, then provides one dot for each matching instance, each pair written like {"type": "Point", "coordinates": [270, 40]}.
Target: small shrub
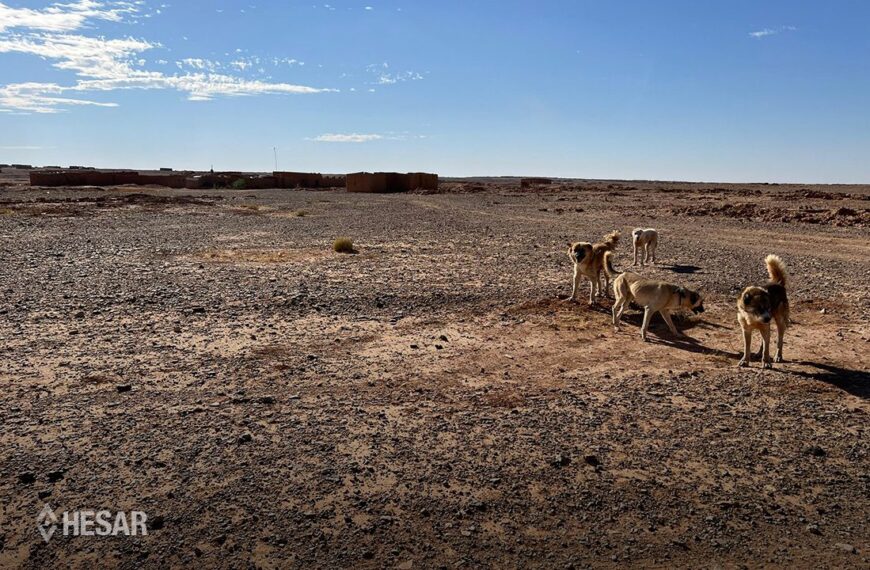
{"type": "Point", "coordinates": [300, 213]}
{"type": "Point", "coordinates": [343, 245]}
{"type": "Point", "coordinates": [239, 184]}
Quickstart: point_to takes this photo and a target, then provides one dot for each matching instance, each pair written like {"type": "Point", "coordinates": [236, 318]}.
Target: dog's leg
{"type": "Point", "coordinates": [593, 289]}
{"type": "Point", "coordinates": [780, 333]}
{"type": "Point", "coordinates": [606, 285]}
{"type": "Point", "coordinates": [647, 315]}
{"type": "Point", "coordinates": [654, 247]}
{"type": "Point", "coordinates": [616, 312]}
{"type": "Point", "coordinates": [574, 284]}
{"type": "Point", "coordinates": [747, 340]}
{"type": "Point", "coordinates": [667, 317]}
{"type": "Point", "coordinates": [765, 336]}
{"type": "Point", "coordinates": [635, 255]}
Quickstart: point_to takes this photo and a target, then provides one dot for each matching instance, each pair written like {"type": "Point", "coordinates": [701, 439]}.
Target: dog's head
{"type": "Point", "coordinates": [755, 303]}
{"type": "Point", "coordinates": [579, 251]}
{"type": "Point", "coordinates": [696, 302]}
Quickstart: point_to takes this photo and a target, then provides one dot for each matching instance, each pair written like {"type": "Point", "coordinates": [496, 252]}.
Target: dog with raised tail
{"type": "Point", "coordinates": [654, 296]}
{"type": "Point", "coordinates": [758, 306]}
{"type": "Point", "coordinates": [588, 262]}
{"type": "Point", "coordinates": [645, 242]}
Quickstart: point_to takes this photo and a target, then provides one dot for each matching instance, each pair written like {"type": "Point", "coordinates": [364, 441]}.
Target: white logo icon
{"type": "Point", "coordinates": [46, 522]}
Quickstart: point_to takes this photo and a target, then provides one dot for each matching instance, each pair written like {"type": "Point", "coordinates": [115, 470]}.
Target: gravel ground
{"type": "Point", "coordinates": [431, 401]}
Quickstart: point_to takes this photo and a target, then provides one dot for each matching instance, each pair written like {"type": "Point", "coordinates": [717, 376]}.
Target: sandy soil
{"type": "Point", "coordinates": [205, 357]}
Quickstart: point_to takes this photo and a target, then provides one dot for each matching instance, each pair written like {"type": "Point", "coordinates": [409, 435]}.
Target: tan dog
{"type": "Point", "coordinates": [588, 261]}
{"type": "Point", "coordinates": [757, 306]}
{"type": "Point", "coordinates": [645, 242]}
{"type": "Point", "coordinates": [653, 296]}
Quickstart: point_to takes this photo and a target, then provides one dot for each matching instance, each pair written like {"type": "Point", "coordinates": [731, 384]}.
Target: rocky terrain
{"type": "Point", "coordinates": [431, 401]}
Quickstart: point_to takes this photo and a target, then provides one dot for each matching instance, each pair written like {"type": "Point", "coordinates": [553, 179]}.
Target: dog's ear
{"type": "Point", "coordinates": [694, 297]}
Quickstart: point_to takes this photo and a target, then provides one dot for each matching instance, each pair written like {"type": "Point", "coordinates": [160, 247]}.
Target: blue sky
{"type": "Point", "coordinates": [725, 91]}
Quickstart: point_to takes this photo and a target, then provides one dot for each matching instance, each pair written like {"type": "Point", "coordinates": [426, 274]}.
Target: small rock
{"type": "Point", "coordinates": [846, 547]}
{"type": "Point", "coordinates": [80, 315]}
{"type": "Point", "coordinates": [123, 387]}
{"type": "Point", "coordinates": [813, 529]}
{"type": "Point", "coordinates": [591, 460]}
{"type": "Point", "coordinates": [443, 338]}
{"type": "Point", "coordinates": [156, 523]}
{"type": "Point", "coordinates": [267, 399]}
{"type": "Point", "coordinates": [561, 461]}
{"type": "Point", "coordinates": [245, 438]}
{"type": "Point", "coordinates": [815, 451]}
{"type": "Point", "coordinates": [27, 478]}
{"type": "Point", "coordinates": [55, 476]}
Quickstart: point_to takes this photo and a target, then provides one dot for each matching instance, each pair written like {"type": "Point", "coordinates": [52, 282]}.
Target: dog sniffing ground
{"type": "Point", "coordinates": [204, 356]}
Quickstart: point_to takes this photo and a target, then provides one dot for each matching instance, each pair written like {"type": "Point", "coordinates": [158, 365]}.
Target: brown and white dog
{"type": "Point", "coordinates": [645, 242]}
{"type": "Point", "coordinates": [757, 306]}
{"type": "Point", "coordinates": [588, 262]}
{"type": "Point", "coordinates": [654, 296]}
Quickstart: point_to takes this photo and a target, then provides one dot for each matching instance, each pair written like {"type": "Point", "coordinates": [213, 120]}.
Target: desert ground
{"type": "Point", "coordinates": [430, 401]}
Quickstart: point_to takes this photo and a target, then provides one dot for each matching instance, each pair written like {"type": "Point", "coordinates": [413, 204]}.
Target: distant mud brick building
{"type": "Point", "coordinates": [298, 179]}
{"type": "Point", "coordinates": [529, 182]}
{"type": "Point", "coordinates": [333, 182]}
{"type": "Point", "coordinates": [390, 182]}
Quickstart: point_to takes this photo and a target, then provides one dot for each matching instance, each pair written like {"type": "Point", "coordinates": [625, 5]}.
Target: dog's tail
{"type": "Point", "coordinates": [611, 239]}
{"type": "Point", "coordinates": [776, 269]}
{"type": "Point", "coordinates": [608, 265]}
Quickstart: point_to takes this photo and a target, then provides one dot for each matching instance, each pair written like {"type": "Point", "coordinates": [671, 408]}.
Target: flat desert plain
{"type": "Point", "coordinates": [430, 401]}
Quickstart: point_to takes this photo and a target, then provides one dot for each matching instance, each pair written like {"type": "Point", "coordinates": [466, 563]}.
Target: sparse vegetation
{"type": "Point", "coordinates": [239, 184]}
{"type": "Point", "coordinates": [6, 211]}
{"type": "Point", "coordinates": [343, 245]}
{"type": "Point", "coordinates": [300, 213]}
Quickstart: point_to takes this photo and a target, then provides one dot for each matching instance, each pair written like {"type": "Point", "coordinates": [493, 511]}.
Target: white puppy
{"type": "Point", "coordinates": [645, 241]}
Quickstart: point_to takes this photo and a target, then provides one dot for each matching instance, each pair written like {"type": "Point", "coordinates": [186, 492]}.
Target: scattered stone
{"type": "Point", "coordinates": [815, 451]}
{"type": "Point", "coordinates": [55, 476]}
{"type": "Point", "coordinates": [846, 548]}
{"type": "Point", "coordinates": [123, 387]}
{"type": "Point", "coordinates": [591, 460]}
{"type": "Point", "coordinates": [267, 400]}
{"type": "Point", "coordinates": [245, 438]}
{"type": "Point", "coordinates": [27, 478]}
{"type": "Point", "coordinates": [561, 461]}
{"type": "Point", "coordinates": [156, 523]}
{"type": "Point", "coordinates": [813, 529]}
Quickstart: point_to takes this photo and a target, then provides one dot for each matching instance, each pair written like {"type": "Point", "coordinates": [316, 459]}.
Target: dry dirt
{"type": "Point", "coordinates": [205, 357]}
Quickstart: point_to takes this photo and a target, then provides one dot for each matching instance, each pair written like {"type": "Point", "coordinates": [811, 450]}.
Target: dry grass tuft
{"type": "Point", "coordinates": [343, 245]}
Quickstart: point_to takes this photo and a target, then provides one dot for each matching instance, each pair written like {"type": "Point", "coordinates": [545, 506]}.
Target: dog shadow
{"type": "Point", "coordinates": [682, 269]}
{"type": "Point", "coordinates": [855, 382]}
{"type": "Point", "coordinates": [659, 333]}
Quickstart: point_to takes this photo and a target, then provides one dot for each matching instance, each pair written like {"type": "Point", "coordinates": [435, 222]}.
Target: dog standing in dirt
{"type": "Point", "coordinates": [645, 242]}
{"type": "Point", "coordinates": [654, 296]}
{"type": "Point", "coordinates": [588, 262]}
{"type": "Point", "coordinates": [757, 306]}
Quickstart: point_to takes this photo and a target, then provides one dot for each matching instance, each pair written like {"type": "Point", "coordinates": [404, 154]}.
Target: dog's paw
{"type": "Point", "coordinates": [778, 358]}
{"type": "Point", "coordinates": [743, 363]}
{"type": "Point", "coordinates": [768, 364]}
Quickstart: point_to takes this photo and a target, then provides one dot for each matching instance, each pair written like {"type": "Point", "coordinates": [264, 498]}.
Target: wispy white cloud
{"type": "Point", "coordinates": [772, 31]}
{"type": "Point", "coordinates": [385, 77]}
{"type": "Point", "coordinates": [62, 17]}
{"type": "Point", "coordinates": [103, 65]}
{"type": "Point", "coordinates": [25, 147]}
{"type": "Point", "coordinates": [346, 138]}
{"type": "Point", "coordinates": [361, 138]}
